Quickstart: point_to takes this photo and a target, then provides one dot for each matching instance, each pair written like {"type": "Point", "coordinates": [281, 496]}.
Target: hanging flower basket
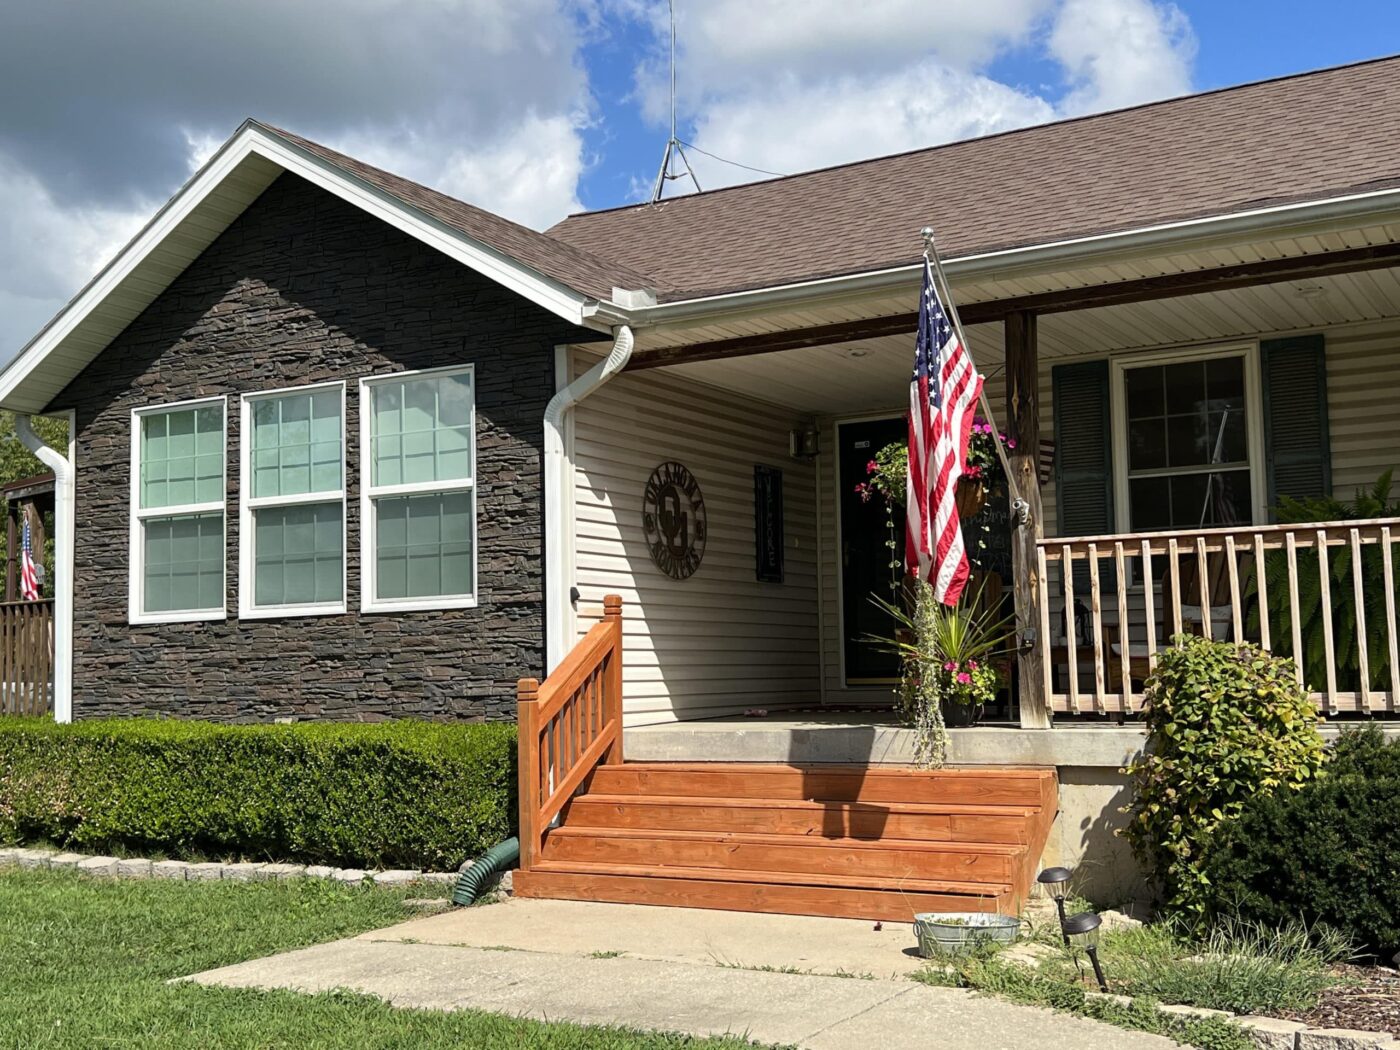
{"type": "Point", "coordinates": [971, 496]}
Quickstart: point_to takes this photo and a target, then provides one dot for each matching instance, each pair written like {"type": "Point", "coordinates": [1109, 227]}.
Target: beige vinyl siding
{"type": "Point", "coordinates": [718, 642]}
{"type": "Point", "coordinates": [1363, 404]}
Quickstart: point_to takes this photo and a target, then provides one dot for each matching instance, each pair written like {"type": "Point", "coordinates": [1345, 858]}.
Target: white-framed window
{"type": "Point", "coordinates": [292, 514]}
{"type": "Point", "coordinates": [418, 490]}
{"type": "Point", "coordinates": [1188, 438]}
{"type": "Point", "coordinates": [178, 488]}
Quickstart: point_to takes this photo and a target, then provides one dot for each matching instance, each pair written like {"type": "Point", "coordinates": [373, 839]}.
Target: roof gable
{"type": "Point", "coordinates": [561, 278]}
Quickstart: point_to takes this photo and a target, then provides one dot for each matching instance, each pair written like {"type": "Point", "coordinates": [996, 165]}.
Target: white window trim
{"type": "Point", "coordinates": [248, 503]}
{"type": "Point", "coordinates": [136, 566]}
{"type": "Point", "coordinates": [368, 583]}
{"type": "Point", "coordinates": [1254, 430]}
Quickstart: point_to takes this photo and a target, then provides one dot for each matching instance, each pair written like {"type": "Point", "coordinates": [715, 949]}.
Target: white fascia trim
{"type": "Point", "coordinates": [1281, 219]}
{"type": "Point", "coordinates": [251, 140]}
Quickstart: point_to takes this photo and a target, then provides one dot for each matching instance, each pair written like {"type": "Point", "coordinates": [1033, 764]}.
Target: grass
{"type": "Point", "coordinates": [1240, 966]}
{"type": "Point", "coordinates": [84, 964]}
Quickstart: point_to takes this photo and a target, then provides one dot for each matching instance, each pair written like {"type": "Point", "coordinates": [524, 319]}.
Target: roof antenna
{"type": "Point", "coordinates": [673, 144]}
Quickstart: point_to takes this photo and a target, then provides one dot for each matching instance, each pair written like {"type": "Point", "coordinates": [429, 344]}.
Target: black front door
{"type": "Point", "coordinates": [865, 551]}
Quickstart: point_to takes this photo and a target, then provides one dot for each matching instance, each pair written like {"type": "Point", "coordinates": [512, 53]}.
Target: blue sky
{"type": "Point", "coordinates": [535, 108]}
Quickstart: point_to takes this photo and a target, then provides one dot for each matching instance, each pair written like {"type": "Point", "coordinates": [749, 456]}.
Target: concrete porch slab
{"type": "Point", "coordinates": [878, 739]}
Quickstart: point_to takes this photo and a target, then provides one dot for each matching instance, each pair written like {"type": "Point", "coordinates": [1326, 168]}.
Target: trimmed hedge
{"type": "Point", "coordinates": [387, 795]}
{"type": "Point", "coordinates": [1328, 853]}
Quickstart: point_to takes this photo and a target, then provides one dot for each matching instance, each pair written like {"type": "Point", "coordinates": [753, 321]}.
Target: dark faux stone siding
{"type": "Point", "coordinates": [305, 288]}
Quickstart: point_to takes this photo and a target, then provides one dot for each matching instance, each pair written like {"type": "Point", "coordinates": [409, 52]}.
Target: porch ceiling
{"type": "Point", "coordinates": [871, 375]}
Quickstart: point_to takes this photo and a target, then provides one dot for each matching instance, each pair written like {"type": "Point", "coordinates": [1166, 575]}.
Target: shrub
{"type": "Point", "coordinates": [1326, 854]}
{"type": "Point", "coordinates": [1226, 724]}
{"type": "Point", "coordinates": [392, 794]}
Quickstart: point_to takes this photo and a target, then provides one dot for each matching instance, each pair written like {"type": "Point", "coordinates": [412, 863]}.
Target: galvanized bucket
{"type": "Point", "coordinates": [945, 933]}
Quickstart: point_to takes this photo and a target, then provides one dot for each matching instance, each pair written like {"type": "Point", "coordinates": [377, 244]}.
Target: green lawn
{"type": "Point", "coordinates": [83, 963]}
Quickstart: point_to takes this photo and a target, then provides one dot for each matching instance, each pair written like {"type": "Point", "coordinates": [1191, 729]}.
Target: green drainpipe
{"type": "Point", "coordinates": [500, 857]}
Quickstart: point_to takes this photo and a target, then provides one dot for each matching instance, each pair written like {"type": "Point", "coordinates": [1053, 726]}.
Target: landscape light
{"type": "Point", "coordinates": [1056, 883]}
{"type": "Point", "coordinates": [1084, 928]}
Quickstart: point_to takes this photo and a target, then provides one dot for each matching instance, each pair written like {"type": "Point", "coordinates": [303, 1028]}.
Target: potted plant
{"type": "Point", "coordinates": [949, 660]}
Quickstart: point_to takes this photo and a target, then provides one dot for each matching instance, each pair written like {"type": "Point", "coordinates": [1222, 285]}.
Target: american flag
{"type": "Point", "coordinates": [28, 576]}
{"type": "Point", "coordinates": [942, 392]}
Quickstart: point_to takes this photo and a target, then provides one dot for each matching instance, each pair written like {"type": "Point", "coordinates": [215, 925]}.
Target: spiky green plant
{"type": "Point", "coordinates": [1375, 502]}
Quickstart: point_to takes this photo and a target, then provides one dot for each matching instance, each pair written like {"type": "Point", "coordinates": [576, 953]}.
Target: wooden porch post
{"type": "Point", "coordinates": [527, 695]}
{"type": "Point", "coordinates": [1023, 427]}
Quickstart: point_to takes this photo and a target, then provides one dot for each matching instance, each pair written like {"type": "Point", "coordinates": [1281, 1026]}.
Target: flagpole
{"type": "Point", "coordinates": [1020, 508]}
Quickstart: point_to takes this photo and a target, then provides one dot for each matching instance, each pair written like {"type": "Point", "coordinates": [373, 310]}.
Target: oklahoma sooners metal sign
{"type": "Point", "coordinates": [673, 520]}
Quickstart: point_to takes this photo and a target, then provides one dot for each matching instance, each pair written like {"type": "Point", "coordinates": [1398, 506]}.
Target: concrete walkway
{"type": "Point", "coordinates": [679, 970]}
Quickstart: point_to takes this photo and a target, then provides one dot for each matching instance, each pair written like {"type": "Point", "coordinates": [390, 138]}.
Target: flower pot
{"type": "Point", "coordinates": [944, 933]}
{"type": "Point", "coordinates": [971, 496]}
{"type": "Point", "coordinates": [960, 716]}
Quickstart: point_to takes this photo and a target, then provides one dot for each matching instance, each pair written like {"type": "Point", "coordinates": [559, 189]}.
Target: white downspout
{"type": "Point", "coordinates": [558, 489]}
{"type": "Point", "coordinates": [63, 514]}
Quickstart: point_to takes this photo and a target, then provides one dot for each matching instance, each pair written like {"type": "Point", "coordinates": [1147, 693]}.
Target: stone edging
{"type": "Point", "coordinates": [1273, 1033]}
{"type": "Point", "coordinates": [140, 868]}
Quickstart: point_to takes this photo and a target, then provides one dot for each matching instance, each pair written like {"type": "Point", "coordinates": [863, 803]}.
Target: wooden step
{"type": "Point", "coordinates": [998, 863]}
{"type": "Point", "coordinates": [705, 891]}
{"type": "Point", "coordinates": [936, 822]}
{"type": "Point", "coordinates": [829, 783]}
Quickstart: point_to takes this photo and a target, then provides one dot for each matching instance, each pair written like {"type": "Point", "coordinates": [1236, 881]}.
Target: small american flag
{"type": "Point", "coordinates": [942, 392]}
{"type": "Point", "coordinates": [28, 575]}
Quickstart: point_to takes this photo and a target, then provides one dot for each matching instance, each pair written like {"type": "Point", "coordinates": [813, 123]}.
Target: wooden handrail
{"type": "Point", "coordinates": [569, 724]}
{"type": "Point", "coordinates": [1217, 582]}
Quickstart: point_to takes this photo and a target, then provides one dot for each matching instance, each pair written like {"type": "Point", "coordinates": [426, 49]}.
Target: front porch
{"type": "Point", "coordinates": [1161, 497]}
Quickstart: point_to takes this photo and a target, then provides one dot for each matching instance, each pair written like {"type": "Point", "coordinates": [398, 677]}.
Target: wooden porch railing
{"type": "Point", "coordinates": [26, 657]}
{"type": "Point", "coordinates": [1111, 603]}
{"type": "Point", "coordinates": [569, 724]}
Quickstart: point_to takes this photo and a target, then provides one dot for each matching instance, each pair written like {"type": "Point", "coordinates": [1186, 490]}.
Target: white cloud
{"type": "Point", "coordinates": [791, 85]}
{"type": "Point", "coordinates": [529, 173]}
{"type": "Point", "coordinates": [797, 126]}
{"type": "Point", "coordinates": [1121, 52]}
{"type": "Point", "coordinates": [50, 250]}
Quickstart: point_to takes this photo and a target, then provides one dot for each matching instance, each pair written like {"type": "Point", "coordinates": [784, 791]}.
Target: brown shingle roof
{"type": "Point", "coordinates": [574, 267]}
{"type": "Point", "coordinates": [1310, 136]}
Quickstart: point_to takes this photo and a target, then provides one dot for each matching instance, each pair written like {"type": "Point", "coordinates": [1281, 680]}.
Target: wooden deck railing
{"type": "Point", "coordinates": [26, 657]}
{"type": "Point", "coordinates": [569, 724]}
{"type": "Point", "coordinates": [1294, 589]}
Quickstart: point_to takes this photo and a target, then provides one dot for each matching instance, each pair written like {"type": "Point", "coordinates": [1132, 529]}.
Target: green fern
{"type": "Point", "coordinates": [1374, 502]}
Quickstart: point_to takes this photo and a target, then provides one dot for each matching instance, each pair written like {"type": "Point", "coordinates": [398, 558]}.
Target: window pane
{"type": "Point", "coordinates": [1147, 444]}
{"type": "Point", "coordinates": [296, 444]}
{"type": "Point", "coordinates": [1144, 390]}
{"type": "Point", "coordinates": [424, 546]}
{"type": "Point", "coordinates": [184, 563]}
{"type": "Point", "coordinates": [1188, 441]}
{"type": "Point", "coordinates": [298, 555]}
{"type": "Point", "coordinates": [1185, 386]}
{"type": "Point", "coordinates": [421, 430]}
{"type": "Point", "coordinates": [182, 457]}
{"type": "Point", "coordinates": [1188, 501]}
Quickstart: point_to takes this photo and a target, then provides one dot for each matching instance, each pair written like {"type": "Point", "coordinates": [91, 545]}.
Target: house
{"type": "Point", "coordinates": [344, 447]}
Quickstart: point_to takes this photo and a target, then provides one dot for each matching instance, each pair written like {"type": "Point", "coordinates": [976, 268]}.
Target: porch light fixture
{"type": "Point", "coordinates": [804, 442]}
{"type": "Point", "coordinates": [1084, 929]}
{"type": "Point", "coordinates": [1056, 883]}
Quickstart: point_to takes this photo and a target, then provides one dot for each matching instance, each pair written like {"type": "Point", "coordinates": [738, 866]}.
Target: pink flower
{"type": "Point", "coordinates": [1010, 443]}
{"type": "Point", "coordinates": [951, 665]}
{"type": "Point", "coordinates": [872, 467]}
{"type": "Point", "coordinates": [964, 679]}
{"type": "Point", "coordinates": [972, 665]}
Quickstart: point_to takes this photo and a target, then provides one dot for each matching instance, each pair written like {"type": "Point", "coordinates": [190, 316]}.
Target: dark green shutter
{"type": "Point", "coordinates": [1083, 449]}
{"type": "Point", "coordinates": [1296, 442]}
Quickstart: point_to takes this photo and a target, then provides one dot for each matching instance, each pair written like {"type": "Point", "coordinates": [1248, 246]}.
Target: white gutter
{"type": "Point", "coordinates": [1289, 220]}
{"type": "Point", "coordinates": [558, 495]}
{"type": "Point", "coordinates": [62, 468]}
